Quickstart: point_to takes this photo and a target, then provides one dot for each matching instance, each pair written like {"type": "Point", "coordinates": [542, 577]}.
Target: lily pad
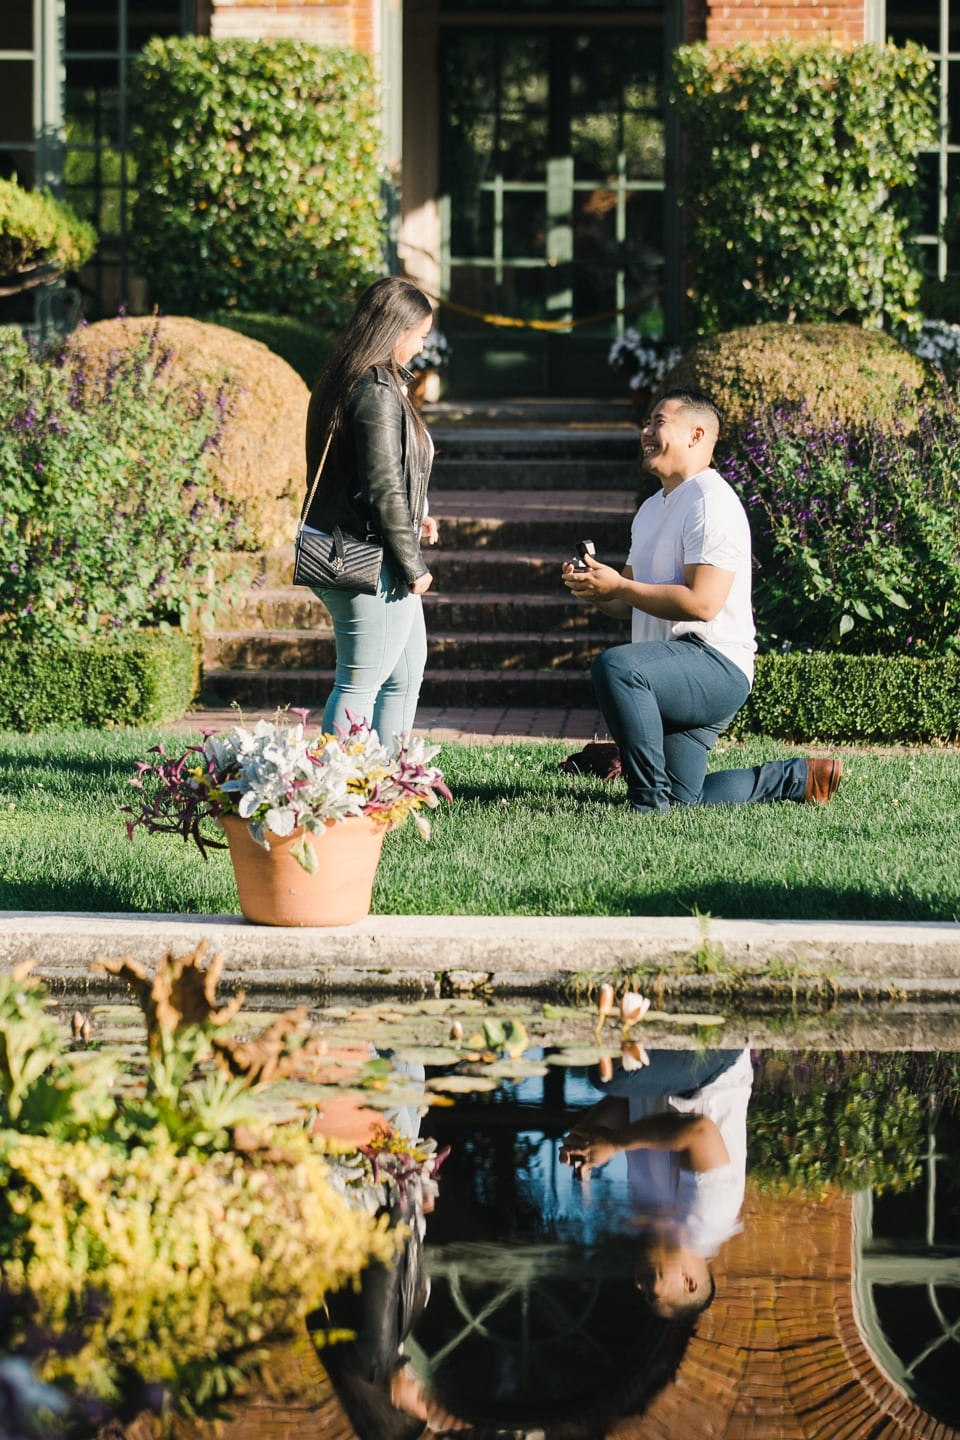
{"type": "Point", "coordinates": [567, 1012]}
{"type": "Point", "coordinates": [581, 1055]}
{"type": "Point", "coordinates": [666, 1017]}
{"type": "Point", "coordinates": [426, 1054]}
{"type": "Point", "coordinates": [461, 1084]}
{"type": "Point", "coordinates": [517, 1069]}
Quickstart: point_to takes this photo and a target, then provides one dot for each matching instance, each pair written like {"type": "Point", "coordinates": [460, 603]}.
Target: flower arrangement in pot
{"type": "Point", "coordinates": [304, 816]}
{"type": "Point", "coordinates": [427, 367]}
{"type": "Point", "coordinates": [644, 359]}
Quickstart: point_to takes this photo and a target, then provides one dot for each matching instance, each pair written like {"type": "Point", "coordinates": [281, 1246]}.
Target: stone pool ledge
{"type": "Point", "coordinates": [534, 955]}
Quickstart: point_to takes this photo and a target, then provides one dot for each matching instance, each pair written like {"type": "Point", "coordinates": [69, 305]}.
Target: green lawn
{"type": "Point", "coordinates": [520, 838]}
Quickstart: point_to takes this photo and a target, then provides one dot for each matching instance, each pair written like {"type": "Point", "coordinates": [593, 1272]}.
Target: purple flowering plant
{"type": "Point", "coordinates": [856, 532]}
{"type": "Point", "coordinates": [110, 518]}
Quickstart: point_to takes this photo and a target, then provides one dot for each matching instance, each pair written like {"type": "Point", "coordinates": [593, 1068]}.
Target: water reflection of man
{"type": "Point", "coordinates": [682, 1124]}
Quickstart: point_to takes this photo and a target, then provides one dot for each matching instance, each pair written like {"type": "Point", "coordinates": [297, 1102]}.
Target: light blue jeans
{"type": "Point", "coordinates": [381, 655]}
{"type": "Point", "coordinates": [666, 703]}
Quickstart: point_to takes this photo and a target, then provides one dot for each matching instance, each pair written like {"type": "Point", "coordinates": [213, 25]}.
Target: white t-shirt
{"type": "Point", "coordinates": [703, 1207]}
{"type": "Point", "coordinates": [701, 522]}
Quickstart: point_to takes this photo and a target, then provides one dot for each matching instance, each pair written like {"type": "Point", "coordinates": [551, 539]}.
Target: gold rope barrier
{"type": "Point", "coordinates": [511, 322]}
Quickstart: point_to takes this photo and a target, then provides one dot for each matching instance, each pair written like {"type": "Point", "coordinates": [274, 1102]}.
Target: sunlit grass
{"type": "Point", "coordinates": [520, 838]}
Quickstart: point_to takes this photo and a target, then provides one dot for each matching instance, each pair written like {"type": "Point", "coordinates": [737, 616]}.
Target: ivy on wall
{"type": "Point", "coordinates": [800, 168]}
{"type": "Point", "coordinates": [259, 175]}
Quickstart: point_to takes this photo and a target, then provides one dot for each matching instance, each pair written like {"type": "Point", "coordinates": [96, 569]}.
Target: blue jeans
{"type": "Point", "coordinates": [666, 702]}
{"type": "Point", "coordinates": [381, 654]}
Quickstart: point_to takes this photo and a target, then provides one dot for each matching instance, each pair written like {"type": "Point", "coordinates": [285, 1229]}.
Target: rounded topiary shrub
{"type": "Point", "coordinates": [839, 372]}
{"type": "Point", "coordinates": [260, 461]}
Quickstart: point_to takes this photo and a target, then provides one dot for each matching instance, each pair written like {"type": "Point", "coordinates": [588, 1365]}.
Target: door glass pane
{"type": "Point", "coordinates": [595, 145]}
{"type": "Point", "coordinates": [524, 225]}
{"type": "Point", "coordinates": [471, 221]}
{"type": "Point", "coordinates": [523, 147]}
{"type": "Point", "coordinates": [645, 147]}
{"type": "Point", "coordinates": [953, 25]}
{"type": "Point", "coordinates": [519, 292]}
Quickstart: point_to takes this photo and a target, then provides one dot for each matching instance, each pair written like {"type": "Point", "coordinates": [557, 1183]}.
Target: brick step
{"type": "Point", "coordinates": [499, 472]}
{"type": "Point", "coordinates": [485, 570]}
{"type": "Point", "coordinates": [476, 568]}
{"type": "Point", "coordinates": [555, 614]}
{"type": "Point", "coordinates": [267, 689]}
{"type": "Point", "coordinates": [295, 649]}
{"type": "Point", "coordinates": [610, 533]}
{"type": "Point", "coordinates": [444, 415]}
{"type": "Point", "coordinates": [293, 608]}
{"type": "Point", "coordinates": [489, 571]}
{"type": "Point", "coordinates": [604, 444]}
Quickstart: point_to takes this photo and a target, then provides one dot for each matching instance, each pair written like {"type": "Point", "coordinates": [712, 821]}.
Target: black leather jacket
{"type": "Point", "coordinates": [375, 476]}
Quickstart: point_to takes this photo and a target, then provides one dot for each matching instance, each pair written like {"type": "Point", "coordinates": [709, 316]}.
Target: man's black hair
{"type": "Point", "coordinates": [695, 399]}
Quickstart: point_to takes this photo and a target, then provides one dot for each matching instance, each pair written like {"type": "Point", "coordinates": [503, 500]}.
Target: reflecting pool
{"type": "Point", "coordinates": [720, 1231]}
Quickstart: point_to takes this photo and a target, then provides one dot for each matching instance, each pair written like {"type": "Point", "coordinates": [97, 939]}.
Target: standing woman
{"type": "Point", "coordinates": [375, 478]}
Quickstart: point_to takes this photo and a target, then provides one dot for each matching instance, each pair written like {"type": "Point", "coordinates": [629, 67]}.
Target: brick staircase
{"type": "Point", "coordinates": [513, 487]}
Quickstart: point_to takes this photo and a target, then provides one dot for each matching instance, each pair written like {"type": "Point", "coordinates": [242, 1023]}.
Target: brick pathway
{"type": "Point", "coordinates": [483, 724]}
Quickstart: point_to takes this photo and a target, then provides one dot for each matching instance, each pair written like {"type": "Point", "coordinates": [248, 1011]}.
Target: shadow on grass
{"type": "Point", "coordinates": [710, 899]}
{"type": "Point", "coordinates": [93, 897]}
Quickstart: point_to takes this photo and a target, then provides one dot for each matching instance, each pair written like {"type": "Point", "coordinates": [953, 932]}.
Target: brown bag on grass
{"type": "Point", "coordinates": [600, 758]}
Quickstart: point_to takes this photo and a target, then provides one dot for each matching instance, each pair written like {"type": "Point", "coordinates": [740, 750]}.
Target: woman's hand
{"type": "Point", "coordinates": [429, 531]}
{"type": "Point", "coordinates": [422, 584]}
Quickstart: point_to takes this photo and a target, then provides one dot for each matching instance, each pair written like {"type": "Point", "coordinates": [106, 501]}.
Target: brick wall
{"type": "Point", "coordinates": [727, 22]}
{"type": "Point", "coordinates": [348, 23]}
{"type": "Point", "coordinates": [778, 1356]}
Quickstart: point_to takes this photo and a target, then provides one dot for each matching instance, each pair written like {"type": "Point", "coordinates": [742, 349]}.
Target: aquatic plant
{"type": "Point", "coordinates": [157, 1230]}
{"type": "Point", "coordinates": [853, 1120]}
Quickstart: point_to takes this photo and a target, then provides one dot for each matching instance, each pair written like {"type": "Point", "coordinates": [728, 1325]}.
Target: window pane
{"type": "Point", "coordinates": [16, 101]}
{"type": "Point", "coordinates": [928, 182]}
{"type": "Point", "coordinates": [17, 32]}
{"type": "Point", "coordinates": [907, 23]}
{"type": "Point", "coordinates": [146, 18]}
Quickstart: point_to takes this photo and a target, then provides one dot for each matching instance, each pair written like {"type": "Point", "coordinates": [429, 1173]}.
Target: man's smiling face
{"type": "Point", "coordinates": [665, 439]}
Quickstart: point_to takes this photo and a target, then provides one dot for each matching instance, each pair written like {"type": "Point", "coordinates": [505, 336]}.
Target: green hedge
{"type": "Point", "coordinates": [36, 229]}
{"type": "Point", "coordinates": [306, 348]}
{"type": "Point", "coordinates": [258, 176]}
{"type": "Point", "coordinates": [145, 678]}
{"type": "Point", "coordinates": [853, 698]}
{"type": "Point", "coordinates": [800, 178]}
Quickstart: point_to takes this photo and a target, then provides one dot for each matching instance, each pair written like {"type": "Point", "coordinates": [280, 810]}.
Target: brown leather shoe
{"type": "Point", "coordinates": [823, 777]}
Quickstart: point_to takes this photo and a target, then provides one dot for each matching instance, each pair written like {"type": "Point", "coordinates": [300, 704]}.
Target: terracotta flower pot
{"type": "Point", "coordinates": [274, 888]}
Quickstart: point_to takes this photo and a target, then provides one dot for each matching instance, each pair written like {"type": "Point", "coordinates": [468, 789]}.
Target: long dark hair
{"type": "Point", "coordinates": [384, 312]}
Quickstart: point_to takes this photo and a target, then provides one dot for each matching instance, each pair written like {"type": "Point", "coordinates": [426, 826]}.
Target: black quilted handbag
{"type": "Point", "coordinates": [334, 561]}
